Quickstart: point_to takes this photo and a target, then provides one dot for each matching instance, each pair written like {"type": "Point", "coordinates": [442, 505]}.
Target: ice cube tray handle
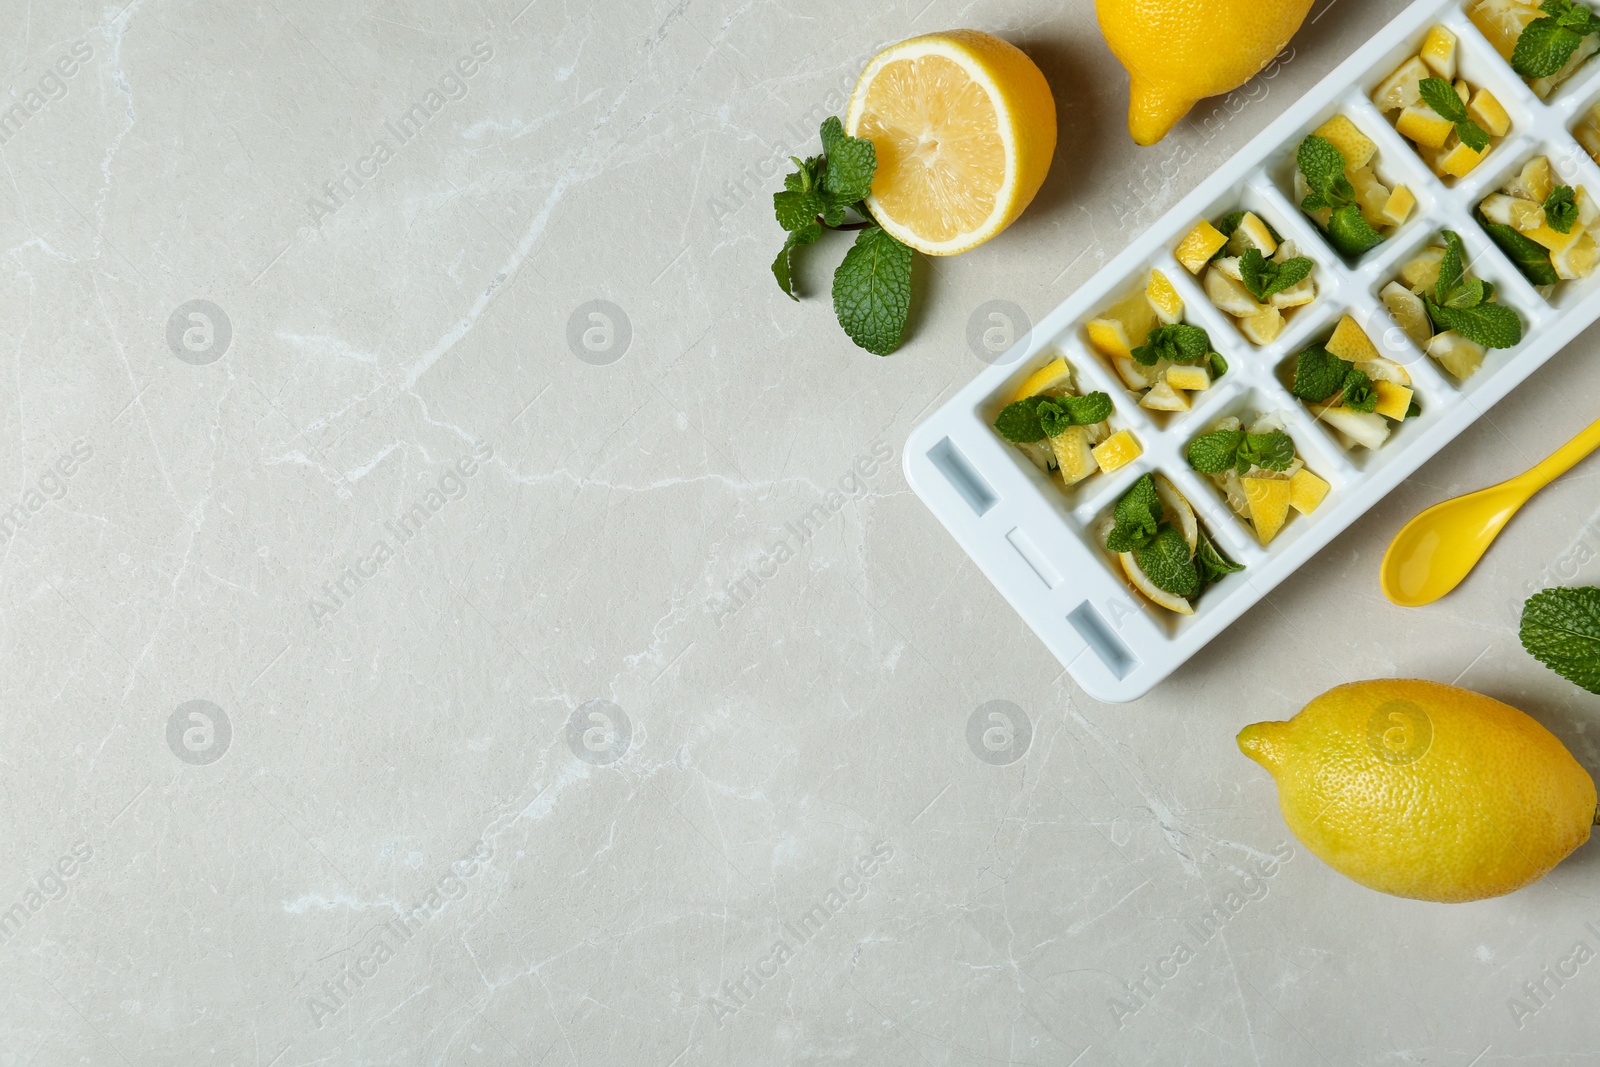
{"type": "Point", "coordinates": [1438, 548]}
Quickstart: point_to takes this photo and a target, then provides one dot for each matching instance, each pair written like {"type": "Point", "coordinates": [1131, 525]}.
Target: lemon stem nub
{"type": "Point", "coordinates": [1263, 742]}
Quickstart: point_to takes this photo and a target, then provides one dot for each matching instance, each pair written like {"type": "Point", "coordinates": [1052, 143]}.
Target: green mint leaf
{"type": "Point", "coordinates": [1230, 222]}
{"type": "Point", "coordinates": [1561, 209]}
{"type": "Point", "coordinates": [1210, 563]}
{"type": "Point", "coordinates": [1413, 410]}
{"type": "Point", "coordinates": [1176, 342]}
{"type": "Point", "coordinates": [1441, 96]}
{"type": "Point", "coordinates": [1215, 452]}
{"type": "Point", "coordinates": [1255, 272]}
{"type": "Point", "coordinates": [807, 177]}
{"type": "Point", "coordinates": [1490, 325]}
{"type": "Point", "coordinates": [1291, 272]}
{"type": "Point", "coordinates": [1088, 409]}
{"type": "Point", "coordinates": [783, 266]}
{"type": "Point", "coordinates": [1531, 258]}
{"type": "Point", "coordinates": [1469, 295]}
{"type": "Point", "coordinates": [1167, 562]}
{"type": "Point", "coordinates": [872, 291]}
{"type": "Point", "coordinates": [1543, 47]}
{"type": "Point", "coordinates": [1273, 450]}
{"type": "Point", "coordinates": [795, 210]}
{"type": "Point", "coordinates": [1019, 422]}
{"type": "Point", "coordinates": [1359, 395]}
{"type": "Point", "coordinates": [1137, 515]}
{"type": "Point", "coordinates": [1318, 374]}
{"type": "Point", "coordinates": [1314, 202]}
{"type": "Point", "coordinates": [852, 161]}
{"type": "Point", "coordinates": [1561, 629]}
{"type": "Point", "coordinates": [1350, 233]}
{"type": "Point", "coordinates": [1320, 162]}
{"type": "Point", "coordinates": [1055, 417]}
{"type": "Point", "coordinates": [1219, 366]}
{"type": "Point", "coordinates": [1452, 268]}
{"type": "Point", "coordinates": [1472, 135]}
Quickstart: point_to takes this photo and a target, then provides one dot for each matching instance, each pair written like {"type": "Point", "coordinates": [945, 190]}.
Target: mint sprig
{"type": "Point", "coordinates": [1561, 209]}
{"type": "Point", "coordinates": [1561, 629]}
{"type": "Point", "coordinates": [1210, 563]}
{"type": "Point", "coordinates": [1035, 418]}
{"type": "Point", "coordinates": [1323, 167]}
{"type": "Point", "coordinates": [1322, 377]}
{"type": "Point", "coordinates": [1168, 563]}
{"type": "Point", "coordinates": [1222, 450]}
{"type": "Point", "coordinates": [1176, 342]}
{"type": "Point", "coordinates": [872, 286]}
{"type": "Point", "coordinates": [1531, 257]}
{"type": "Point", "coordinates": [1441, 97]}
{"type": "Point", "coordinates": [1137, 516]}
{"type": "Point", "coordinates": [1263, 276]}
{"type": "Point", "coordinates": [1461, 303]}
{"type": "Point", "coordinates": [1545, 44]}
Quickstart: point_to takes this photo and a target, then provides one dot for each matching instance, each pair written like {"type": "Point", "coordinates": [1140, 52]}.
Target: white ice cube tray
{"type": "Point", "coordinates": [1035, 539]}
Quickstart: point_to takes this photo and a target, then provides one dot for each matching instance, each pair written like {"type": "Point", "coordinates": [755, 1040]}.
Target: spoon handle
{"type": "Point", "coordinates": [1561, 460]}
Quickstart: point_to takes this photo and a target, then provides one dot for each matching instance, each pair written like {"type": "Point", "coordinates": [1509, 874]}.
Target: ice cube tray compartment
{"type": "Point", "coordinates": [1035, 540]}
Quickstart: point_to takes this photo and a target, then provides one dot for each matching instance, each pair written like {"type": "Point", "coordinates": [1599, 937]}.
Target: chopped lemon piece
{"type": "Point", "coordinates": [1196, 250]}
{"type": "Point", "coordinates": [1306, 491]}
{"type": "Point", "coordinates": [1365, 428]}
{"type": "Point", "coordinates": [1489, 113]}
{"type": "Point", "coordinates": [1301, 292]}
{"type": "Point", "coordinates": [1577, 259]}
{"type": "Point", "coordinates": [1192, 378]}
{"type": "Point", "coordinates": [1163, 397]}
{"type": "Point", "coordinates": [1263, 327]}
{"type": "Point", "coordinates": [1109, 336]}
{"type": "Point", "coordinates": [1371, 194]}
{"type": "Point", "coordinates": [1134, 375]}
{"type": "Point", "coordinates": [1252, 233]}
{"type": "Point", "coordinates": [1534, 181]}
{"type": "Point", "coordinates": [1053, 375]}
{"type": "Point", "coordinates": [1512, 211]}
{"type": "Point", "coordinates": [1502, 22]}
{"type": "Point", "coordinates": [1588, 133]}
{"type": "Point", "coordinates": [1398, 207]}
{"type": "Point", "coordinates": [1403, 87]}
{"type": "Point", "coordinates": [1425, 126]}
{"type": "Point", "coordinates": [1073, 454]}
{"type": "Point", "coordinates": [1422, 270]}
{"type": "Point", "coordinates": [1356, 147]}
{"type": "Point", "coordinates": [1409, 312]}
{"type": "Point", "coordinates": [1393, 400]}
{"type": "Point", "coordinates": [1230, 295]}
{"type": "Point", "coordinates": [1459, 160]}
{"type": "Point", "coordinates": [1176, 510]}
{"type": "Point", "coordinates": [1269, 505]}
{"type": "Point", "coordinates": [1456, 354]}
{"type": "Point", "coordinates": [1164, 299]}
{"type": "Point", "coordinates": [1118, 450]}
{"type": "Point", "coordinates": [1439, 52]}
{"type": "Point", "coordinates": [1350, 342]}
{"type": "Point", "coordinates": [1123, 327]}
{"type": "Point", "coordinates": [1555, 241]}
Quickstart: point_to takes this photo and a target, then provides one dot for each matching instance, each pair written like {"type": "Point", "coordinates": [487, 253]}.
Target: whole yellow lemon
{"type": "Point", "coordinates": [1180, 51]}
{"type": "Point", "coordinates": [1425, 790]}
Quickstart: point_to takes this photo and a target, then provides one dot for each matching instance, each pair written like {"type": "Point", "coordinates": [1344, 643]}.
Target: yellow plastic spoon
{"type": "Point", "coordinates": [1438, 548]}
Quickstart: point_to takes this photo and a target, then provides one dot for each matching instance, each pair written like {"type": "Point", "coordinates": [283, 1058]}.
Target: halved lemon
{"type": "Point", "coordinates": [964, 127]}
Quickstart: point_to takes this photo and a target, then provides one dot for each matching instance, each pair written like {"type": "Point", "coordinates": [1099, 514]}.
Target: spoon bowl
{"type": "Point", "coordinates": [1438, 548]}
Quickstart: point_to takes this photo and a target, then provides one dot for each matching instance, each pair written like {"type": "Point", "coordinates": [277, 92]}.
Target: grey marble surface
{"type": "Point", "coordinates": [372, 510]}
